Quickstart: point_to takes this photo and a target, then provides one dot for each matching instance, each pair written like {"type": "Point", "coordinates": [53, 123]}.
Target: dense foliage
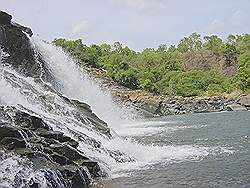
{"type": "Point", "coordinates": [194, 67]}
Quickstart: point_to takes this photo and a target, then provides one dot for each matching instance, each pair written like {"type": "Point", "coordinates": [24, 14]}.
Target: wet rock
{"type": "Point", "coordinates": [46, 148]}
{"type": "Point", "coordinates": [53, 134]}
{"type": "Point", "coordinates": [33, 184]}
{"type": "Point", "coordinates": [81, 106]}
{"type": "Point", "coordinates": [16, 44]}
{"type": "Point", "coordinates": [28, 121]}
{"type": "Point", "coordinates": [37, 146]}
{"type": "Point", "coordinates": [49, 141]}
{"type": "Point", "coordinates": [8, 131]}
{"type": "Point", "coordinates": [25, 134]}
{"type": "Point", "coordinates": [92, 166]}
{"type": "Point", "coordinates": [77, 176]}
{"type": "Point", "coordinates": [81, 178]}
{"type": "Point", "coordinates": [60, 159]}
{"type": "Point", "coordinates": [69, 152]}
{"type": "Point", "coordinates": [21, 55]}
{"type": "Point", "coordinates": [24, 152]}
{"type": "Point", "coordinates": [85, 115]}
{"type": "Point", "coordinates": [11, 143]}
{"type": "Point", "coordinates": [72, 143]}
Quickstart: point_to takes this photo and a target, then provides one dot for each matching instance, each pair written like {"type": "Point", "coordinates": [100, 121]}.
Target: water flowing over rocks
{"type": "Point", "coordinates": [30, 137]}
{"type": "Point", "coordinates": [26, 138]}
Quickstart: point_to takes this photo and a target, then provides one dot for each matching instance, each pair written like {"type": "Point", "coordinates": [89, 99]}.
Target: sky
{"type": "Point", "coordinates": [137, 23]}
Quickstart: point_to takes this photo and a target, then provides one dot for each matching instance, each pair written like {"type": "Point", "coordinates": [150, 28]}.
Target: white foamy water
{"type": "Point", "coordinates": [75, 83]}
{"type": "Point", "coordinates": [12, 167]}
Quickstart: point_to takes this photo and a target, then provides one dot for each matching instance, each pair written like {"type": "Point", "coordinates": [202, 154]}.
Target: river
{"type": "Point", "coordinates": [221, 161]}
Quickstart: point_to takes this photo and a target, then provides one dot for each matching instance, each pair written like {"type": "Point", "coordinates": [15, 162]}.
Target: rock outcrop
{"type": "Point", "coordinates": [21, 54]}
{"type": "Point", "coordinates": [32, 138]}
{"type": "Point", "coordinates": [25, 134]}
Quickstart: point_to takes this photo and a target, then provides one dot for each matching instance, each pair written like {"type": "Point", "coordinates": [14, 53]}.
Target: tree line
{"type": "Point", "coordinates": [194, 67]}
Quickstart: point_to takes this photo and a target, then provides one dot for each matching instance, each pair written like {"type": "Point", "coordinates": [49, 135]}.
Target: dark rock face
{"type": "Point", "coordinates": [21, 55]}
{"type": "Point", "coordinates": [24, 133]}
{"type": "Point", "coordinates": [84, 108]}
{"type": "Point", "coordinates": [5, 18]}
{"type": "Point", "coordinates": [36, 141]}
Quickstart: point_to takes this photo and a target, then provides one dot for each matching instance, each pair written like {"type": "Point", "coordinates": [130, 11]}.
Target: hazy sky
{"type": "Point", "coordinates": [137, 23]}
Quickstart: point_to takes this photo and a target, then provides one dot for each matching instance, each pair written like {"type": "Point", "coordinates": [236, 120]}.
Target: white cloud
{"type": "Point", "coordinates": [232, 24]}
{"type": "Point", "coordinates": [81, 28]}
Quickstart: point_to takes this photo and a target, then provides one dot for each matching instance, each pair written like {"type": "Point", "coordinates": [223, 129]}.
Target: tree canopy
{"type": "Point", "coordinates": [214, 66]}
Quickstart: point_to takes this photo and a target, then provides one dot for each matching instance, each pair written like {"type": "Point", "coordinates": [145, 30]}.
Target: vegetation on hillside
{"type": "Point", "coordinates": [194, 67]}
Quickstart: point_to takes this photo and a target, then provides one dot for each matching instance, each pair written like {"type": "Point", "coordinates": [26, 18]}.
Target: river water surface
{"type": "Point", "coordinates": [223, 160]}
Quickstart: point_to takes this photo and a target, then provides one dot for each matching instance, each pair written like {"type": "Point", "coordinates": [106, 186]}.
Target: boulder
{"type": "Point", "coordinates": [236, 107]}
{"type": "Point", "coordinates": [245, 101]}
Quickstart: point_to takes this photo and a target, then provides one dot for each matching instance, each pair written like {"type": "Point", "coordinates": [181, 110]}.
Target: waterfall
{"type": "Point", "coordinates": [117, 155]}
{"type": "Point", "coordinates": [75, 83]}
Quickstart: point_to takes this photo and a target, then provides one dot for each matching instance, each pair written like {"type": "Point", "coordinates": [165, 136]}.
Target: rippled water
{"type": "Point", "coordinates": [220, 158]}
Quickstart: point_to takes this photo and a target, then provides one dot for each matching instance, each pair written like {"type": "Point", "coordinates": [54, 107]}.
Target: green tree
{"type": "Point", "coordinates": [242, 77]}
{"type": "Point", "coordinates": [191, 43]}
{"type": "Point", "coordinates": [214, 44]}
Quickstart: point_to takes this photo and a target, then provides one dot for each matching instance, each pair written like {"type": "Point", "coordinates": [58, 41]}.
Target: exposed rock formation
{"type": "Point", "coordinates": [25, 134]}
{"type": "Point", "coordinates": [5, 19]}
{"type": "Point", "coordinates": [17, 45]}
{"type": "Point", "coordinates": [32, 138]}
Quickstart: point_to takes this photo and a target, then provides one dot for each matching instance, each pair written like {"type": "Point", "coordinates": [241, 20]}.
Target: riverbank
{"type": "Point", "coordinates": [160, 105]}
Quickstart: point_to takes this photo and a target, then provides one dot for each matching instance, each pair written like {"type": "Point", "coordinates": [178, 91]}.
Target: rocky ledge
{"type": "Point", "coordinates": [160, 105]}
{"type": "Point", "coordinates": [29, 137]}
{"type": "Point", "coordinates": [26, 135]}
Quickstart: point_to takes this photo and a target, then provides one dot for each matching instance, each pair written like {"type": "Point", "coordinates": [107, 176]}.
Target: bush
{"type": "Point", "coordinates": [242, 77]}
{"type": "Point", "coordinates": [161, 70]}
{"type": "Point", "coordinates": [127, 78]}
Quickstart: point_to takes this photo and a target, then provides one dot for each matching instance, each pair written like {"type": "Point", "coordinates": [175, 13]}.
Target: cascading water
{"type": "Point", "coordinates": [115, 155]}
{"type": "Point", "coordinates": [75, 83]}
